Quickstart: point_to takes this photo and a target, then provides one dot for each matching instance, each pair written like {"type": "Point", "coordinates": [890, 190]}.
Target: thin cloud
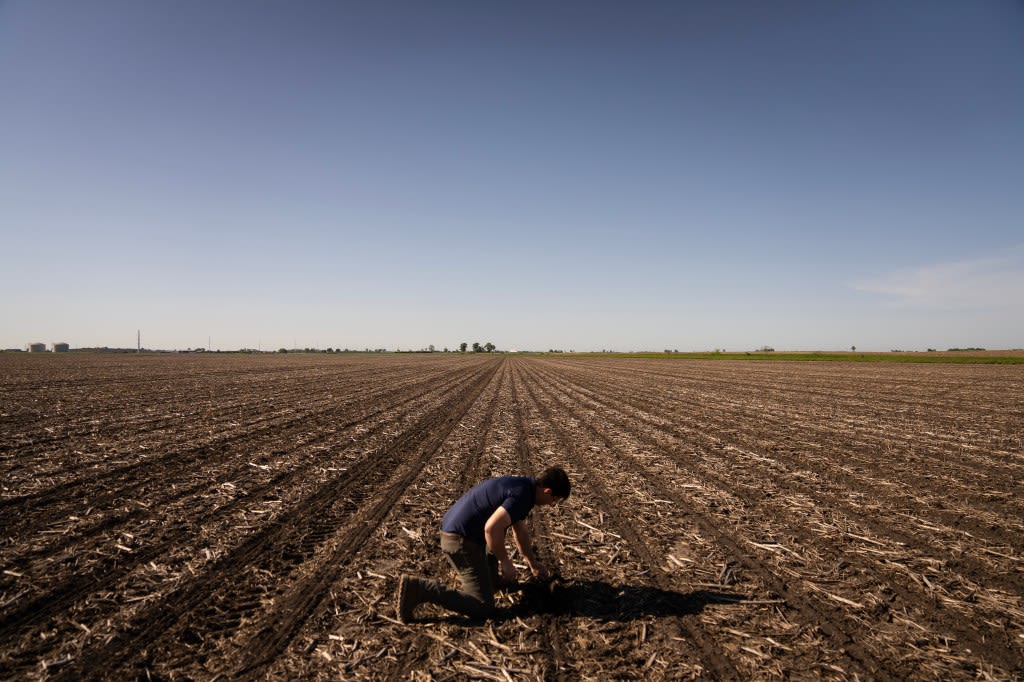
{"type": "Point", "coordinates": [980, 284]}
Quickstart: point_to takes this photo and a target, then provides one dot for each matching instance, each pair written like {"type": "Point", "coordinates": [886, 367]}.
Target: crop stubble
{"type": "Point", "coordinates": [248, 516]}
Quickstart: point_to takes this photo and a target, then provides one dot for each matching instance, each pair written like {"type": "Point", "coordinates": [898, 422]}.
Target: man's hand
{"type": "Point", "coordinates": [521, 532]}
{"type": "Point", "coordinates": [508, 570]}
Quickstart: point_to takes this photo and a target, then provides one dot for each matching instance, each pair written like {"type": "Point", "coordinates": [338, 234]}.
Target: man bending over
{"type": "Point", "coordinates": [473, 540]}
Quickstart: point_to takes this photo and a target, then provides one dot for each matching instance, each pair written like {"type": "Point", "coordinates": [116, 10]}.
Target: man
{"type": "Point", "coordinates": [473, 540]}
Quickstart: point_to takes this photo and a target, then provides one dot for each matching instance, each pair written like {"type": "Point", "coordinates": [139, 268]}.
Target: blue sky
{"type": "Point", "coordinates": [574, 175]}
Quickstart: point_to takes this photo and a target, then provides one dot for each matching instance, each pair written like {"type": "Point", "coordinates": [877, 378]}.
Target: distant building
{"type": "Point", "coordinates": [37, 348]}
{"type": "Point", "coordinates": [60, 347]}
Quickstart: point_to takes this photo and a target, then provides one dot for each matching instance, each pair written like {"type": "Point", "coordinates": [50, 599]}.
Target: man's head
{"type": "Point", "coordinates": [552, 486]}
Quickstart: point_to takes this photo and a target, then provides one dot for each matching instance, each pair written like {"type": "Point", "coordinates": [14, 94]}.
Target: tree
{"type": "Point", "coordinates": [489, 347]}
{"type": "Point", "coordinates": [853, 349]}
{"type": "Point", "coordinates": [462, 347]}
{"type": "Point", "coordinates": [476, 347]}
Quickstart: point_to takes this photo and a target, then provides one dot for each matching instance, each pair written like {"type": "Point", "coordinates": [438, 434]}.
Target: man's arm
{"type": "Point", "coordinates": [494, 533]}
{"type": "Point", "coordinates": [524, 541]}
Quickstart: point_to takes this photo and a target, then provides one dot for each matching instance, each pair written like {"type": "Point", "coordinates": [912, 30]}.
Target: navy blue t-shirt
{"type": "Point", "coordinates": [468, 516]}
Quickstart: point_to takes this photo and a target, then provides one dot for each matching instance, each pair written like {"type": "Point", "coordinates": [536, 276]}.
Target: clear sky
{"type": "Point", "coordinates": [576, 175]}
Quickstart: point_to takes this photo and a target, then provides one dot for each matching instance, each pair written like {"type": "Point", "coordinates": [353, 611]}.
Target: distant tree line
{"type": "Point", "coordinates": [477, 348]}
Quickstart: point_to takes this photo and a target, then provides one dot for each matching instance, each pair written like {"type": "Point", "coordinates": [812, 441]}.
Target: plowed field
{"type": "Point", "coordinates": [247, 517]}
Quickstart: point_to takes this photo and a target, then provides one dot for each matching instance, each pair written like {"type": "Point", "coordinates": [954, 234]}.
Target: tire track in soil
{"type": "Point", "coordinates": [416, 650]}
{"type": "Point", "coordinates": [413, 650]}
{"type": "Point", "coordinates": [711, 435]}
{"type": "Point", "coordinates": [307, 598]}
{"type": "Point", "coordinates": [91, 422]}
{"type": "Point", "coordinates": [806, 605]}
{"type": "Point", "coordinates": [185, 420]}
{"type": "Point", "coordinates": [192, 408]}
{"type": "Point", "coordinates": [552, 634]}
{"type": "Point", "coordinates": [968, 634]}
{"type": "Point", "coordinates": [471, 472]}
{"type": "Point", "coordinates": [406, 646]}
{"type": "Point", "coordinates": [214, 605]}
{"type": "Point", "coordinates": [719, 667]}
{"type": "Point", "coordinates": [876, 394]}
{"type": "Point", "coordinates": [104, 577]}
{"type": "Point", "coordinates": [871, 440]}
{"type": "Point", "coordinates": [22, 513]}
{"type": "Point", "coordinates": [168, 494]}
{"type": "Point", "coordinates": [863, 403]}
{"type": "Point", "coordinates": [574, 392]}
{"type": "Point", "coordinates": [873, 388]}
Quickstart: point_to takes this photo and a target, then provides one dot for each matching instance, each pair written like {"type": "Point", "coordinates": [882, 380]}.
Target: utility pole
{"type": "Point", "coordinates": [138, 340]}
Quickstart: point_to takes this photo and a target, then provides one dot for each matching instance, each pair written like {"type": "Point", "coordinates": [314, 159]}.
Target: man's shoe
{"type": "Point", "coordinates": [410, 595]}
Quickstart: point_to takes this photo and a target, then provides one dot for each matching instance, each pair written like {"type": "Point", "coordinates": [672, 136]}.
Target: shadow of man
{"type": "Point", "coordinates": [606, 601]}
{"type": "Point", "coordinates": [597, 599]}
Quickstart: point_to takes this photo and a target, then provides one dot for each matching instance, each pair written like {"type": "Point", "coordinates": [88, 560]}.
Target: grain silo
{"type": "Point", "coordinates": [37, 348]}
{"type": "Point", "coordinates": [60, 347]}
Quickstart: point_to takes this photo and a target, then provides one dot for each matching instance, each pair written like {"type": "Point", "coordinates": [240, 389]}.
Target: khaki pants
{"type": "Point", "coordinates": [478, 573]}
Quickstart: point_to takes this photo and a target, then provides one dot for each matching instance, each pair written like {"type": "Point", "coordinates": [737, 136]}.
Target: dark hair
{"type": "Point", "coordinates": [556, 479]}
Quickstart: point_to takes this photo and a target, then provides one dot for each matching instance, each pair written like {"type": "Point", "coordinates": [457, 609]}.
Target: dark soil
{"type": "Point", "coordinates": [225, 516]}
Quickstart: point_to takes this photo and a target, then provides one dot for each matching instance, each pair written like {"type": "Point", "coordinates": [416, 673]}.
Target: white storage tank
{"type": "Point", "coordinates": [60, 347]}
{"type": "Point", "coordinates": [37, 348]}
